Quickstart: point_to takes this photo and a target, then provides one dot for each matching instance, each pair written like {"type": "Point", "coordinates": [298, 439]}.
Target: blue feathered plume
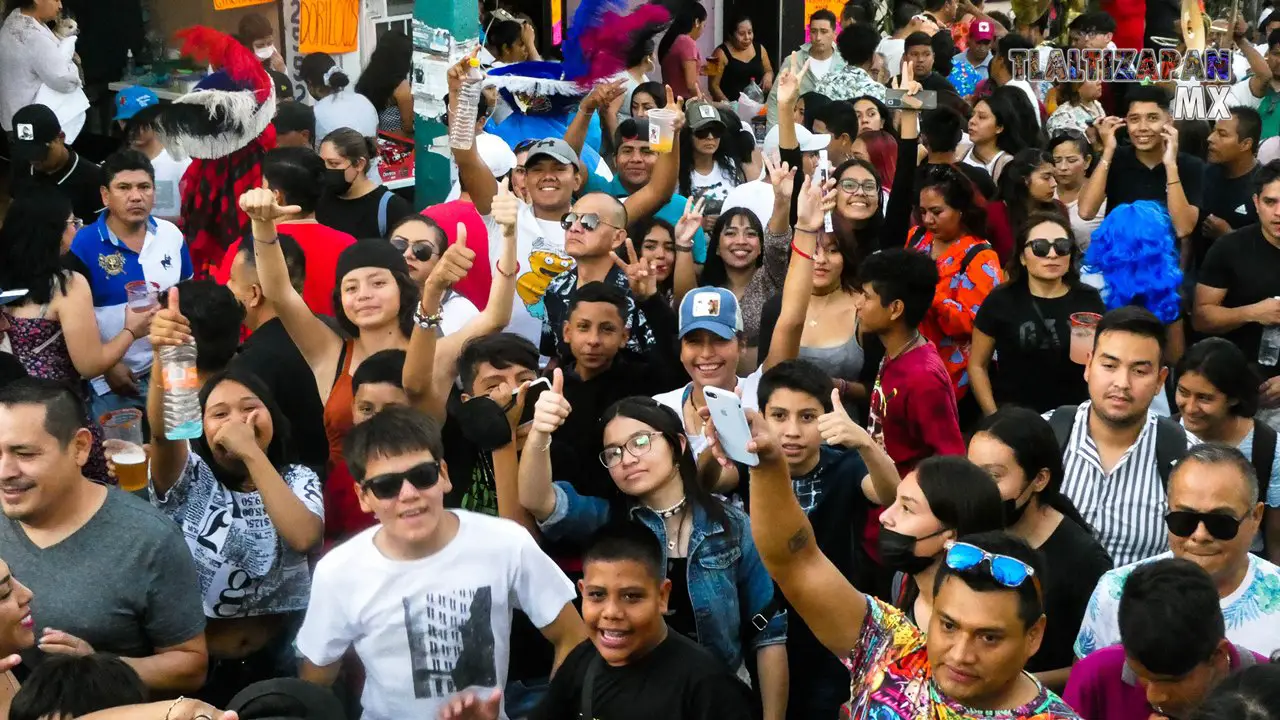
{"type": "Point", "coordinates": [588, 16]}
{"type": "Point", "coordinates": [1135, 250]}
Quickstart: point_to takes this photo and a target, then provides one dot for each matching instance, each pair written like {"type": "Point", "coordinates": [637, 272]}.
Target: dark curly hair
{"type": "Point", "coordinates": [957, 192]}
{"type": "Point", "coordinates": [31, 245]}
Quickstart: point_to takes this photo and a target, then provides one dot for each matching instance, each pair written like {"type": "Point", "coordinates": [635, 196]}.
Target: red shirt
{"type": "Point", "coordinates": [321, 245]}
{"type": "Point", "coordinates": [475, 286]}
{"type": "Point", "coordinates": [913, 409]}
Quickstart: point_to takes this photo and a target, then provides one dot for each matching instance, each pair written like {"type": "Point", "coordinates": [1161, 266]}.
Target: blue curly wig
{"type": "Point", "coordinates": [1135, 250]}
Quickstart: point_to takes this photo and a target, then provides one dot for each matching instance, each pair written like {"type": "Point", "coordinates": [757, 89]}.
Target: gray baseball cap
{"type": "Point", "coordinates": [554, 148]}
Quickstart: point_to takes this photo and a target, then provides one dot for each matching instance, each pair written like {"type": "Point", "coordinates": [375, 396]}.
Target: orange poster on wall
{"type": "Point", "coordinates": [813, 6]}
{"type": "Point", "coordinates": [233, 4]}
{"type": "Point", "coordinates": [329, 26]}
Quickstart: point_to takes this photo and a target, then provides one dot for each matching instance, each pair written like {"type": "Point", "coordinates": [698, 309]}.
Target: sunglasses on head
{"type": "Point", "coordinates": [1040, 247]}
{"type": "Point", "coordinates": [387, 486]}
{"type": "Point", "coordinates": [422, 251]}
{"type": "Point", "coordinates": [588, 221]}
{"type": "Point", "coordinates": [1183, 523]}
{"type": "Point", "coordinates": [708, 132]}
{"type": "Point", "coordinates": [1009, 572]}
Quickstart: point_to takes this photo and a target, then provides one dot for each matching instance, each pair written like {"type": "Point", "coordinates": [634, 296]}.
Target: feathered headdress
{"type": "Point", "coordinates": [227, 110]}
{"type": "Point", "coordinates": [608, 46]}
{"type": "Point", "coordinates": [1135, 250]}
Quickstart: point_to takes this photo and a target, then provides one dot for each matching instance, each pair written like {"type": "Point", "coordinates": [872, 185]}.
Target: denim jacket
{"type": "Point", "coordinates": [725, 570]}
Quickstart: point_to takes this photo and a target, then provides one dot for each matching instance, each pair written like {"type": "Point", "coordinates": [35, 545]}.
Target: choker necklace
{"type": "Point", "coordinates": [671, 511]}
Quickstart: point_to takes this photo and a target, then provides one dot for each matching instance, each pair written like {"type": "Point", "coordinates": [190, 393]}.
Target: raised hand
{"type": "Point", "coordinates": [552, 409]}
{"type": "Point", "coordinates": [906, 81]}
{"type": "Point", "coordinates": [602, 95]}
{"type": "Point", "coordinates": [788, 82]}
{"type": "Point", "coordinates": [1170, 135]}
{"type": "Point", "coordinates": [837, 428]}
{"type": "Point", "coordinates": [169, 326]}
{"type": "Point", "coordinates": [677, 104]}
{"type": "Point", "coordinates": [1107, 127]}
{"type": "Point", "coordinates": [690, 221]}
{"type": "Point", "coordinates": [260, 205]}
{"type": "Point", "coordinates": [506, 206]}
{"type": "Point", "coordinates": [458, 74]}
{"type": "Point", "coordinates": [641, 273]}
{"type": "Point", "coordinates": [782, 176]}
{"type": "Point", "coordinates": [815, 201]}
{"type": "Point", "coordinates": [763, 442]}
{"type": "Point", "coordinates": [453, 265]}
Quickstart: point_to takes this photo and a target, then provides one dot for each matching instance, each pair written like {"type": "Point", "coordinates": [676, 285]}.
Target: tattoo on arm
{"type": "Point", "coordinates": [798, 541]}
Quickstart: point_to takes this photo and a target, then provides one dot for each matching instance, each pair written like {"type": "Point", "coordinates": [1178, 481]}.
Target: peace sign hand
{"type": "Point", "coordinates": [788, 82]}
{"type": "Point", "coordinates": [906, 81]}
{"type": "Point", "coordinates": [641, 273]}
{"type": "Point", "coordinates": [690, 221]}
{"type": "Point", "coordinates": [837, 428]}
{"type": "Point", "coordinates": [782, 176]}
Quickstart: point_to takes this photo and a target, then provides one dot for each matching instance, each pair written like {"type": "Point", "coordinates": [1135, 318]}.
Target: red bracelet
{"type": "Point", "coordinates": [498, 266]}
{"type": "Point", "coordinates": [800, 252]}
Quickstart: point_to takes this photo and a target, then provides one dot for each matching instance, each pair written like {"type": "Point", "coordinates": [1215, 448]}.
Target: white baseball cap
{"type": "Point", "coordinates": [809, 142]}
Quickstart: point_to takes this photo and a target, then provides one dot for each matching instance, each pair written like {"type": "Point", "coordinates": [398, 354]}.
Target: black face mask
{"type": "Point", "coordinates": [1013, 512]}
{"type": "Point", "coordinates": [898, 551]}
{"type": "Point", "coordinates": [483, 422]}
{"type": "Point", "coordinates": [336, 180]}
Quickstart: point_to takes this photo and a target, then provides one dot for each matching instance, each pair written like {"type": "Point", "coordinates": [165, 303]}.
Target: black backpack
{"type": "Point", "coordinates": [1171, 439]}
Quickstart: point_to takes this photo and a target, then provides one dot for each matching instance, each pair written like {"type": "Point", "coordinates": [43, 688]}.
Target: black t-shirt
{"type": "Point", "coordinates": [1245, 265]}
{"type": "Point", "coordinates": [359, 217]}
{"type": "Point", "coordinates": [1074, 561]}
{"type": "Point", "coordinates": [1228, 198]}
{"type": "Point", "coordinates": [1032, 367]}
{"type": "Point", "coordinates": [79, 180]}
{"type": "Point", "coordinates": [1129, 180]}
{"type": "Point", "coordinates": [272, 355]}
{"type": "Point", "coordinates": [677, 680]}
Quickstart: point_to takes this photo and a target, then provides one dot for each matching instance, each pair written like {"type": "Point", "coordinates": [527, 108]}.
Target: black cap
{"type": "Point", "coordinates": [286, 698]}
{"type": "Point", "coordinates": [283, 85]}
{"type": "Point", "coordinates": [34, 128]}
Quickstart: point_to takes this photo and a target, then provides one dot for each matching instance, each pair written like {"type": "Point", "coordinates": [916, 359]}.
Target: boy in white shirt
{"type": "Point", "coordinates": [426, 596]}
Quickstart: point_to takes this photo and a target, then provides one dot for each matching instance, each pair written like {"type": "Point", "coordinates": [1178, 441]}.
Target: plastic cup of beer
{"type": "Point", "coordinates": [662, 125]}
{"type": "Point", "coordinates": [142, 295]}
{"type": "Point", "coordinates": [122, 443]}
{"type": "Point", "coordinates": [1084, 326]}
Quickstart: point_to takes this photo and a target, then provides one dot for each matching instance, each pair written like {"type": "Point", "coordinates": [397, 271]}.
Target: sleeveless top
{"type": "Point", "coordinates": [839, 361]}
{"type": "Point", "coordinates": [342, 514]}
{"type": "Point", "coordinates": [992, 167]}
{"type": "Point", "coordinates": [738, 74]}
{"type": "Point", "coordinates": [38, 343]}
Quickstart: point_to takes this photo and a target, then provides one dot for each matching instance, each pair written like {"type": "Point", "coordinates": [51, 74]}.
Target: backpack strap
{"type": "Point", "coordinates": [1171, 446]}
{"type": "Point", "coordinates": [1263, 455]}
{"type": "Point", "coordinates": [589, 685]}
{"type": "Point", "coordinates": [382, 213]}
{"type": "Point", "coordinates": [1062, 421]}
{"type": "Point", "coordinates": [916, 236]}
{"type": "Point", "coordinates": [971, 254]}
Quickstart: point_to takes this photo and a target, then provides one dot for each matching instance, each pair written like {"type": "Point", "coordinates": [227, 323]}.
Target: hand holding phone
{"type": "Point", "coordinates": [534, 391]}
{"type": "Point", "coordinates": [730, 422]}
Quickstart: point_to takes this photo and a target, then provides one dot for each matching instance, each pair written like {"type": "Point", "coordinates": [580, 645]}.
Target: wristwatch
{"type": "Point", "coordinates": [426, 322]}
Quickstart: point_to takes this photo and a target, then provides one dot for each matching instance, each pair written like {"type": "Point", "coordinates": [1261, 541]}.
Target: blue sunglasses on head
{"type": "Point", "coordinates": [1009, 572]}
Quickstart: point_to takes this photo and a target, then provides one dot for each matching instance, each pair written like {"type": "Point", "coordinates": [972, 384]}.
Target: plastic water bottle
{"type": "Point", "coordinates": [1269, 348]}
{"type": "Point", "coordinates": [462, 122]}
{"type": "Point", "coordinates": [130, 70]}
{"type": "Point", "coordinates": [754, 92]}
{"type": "Point", "coordinates": [183, 419]}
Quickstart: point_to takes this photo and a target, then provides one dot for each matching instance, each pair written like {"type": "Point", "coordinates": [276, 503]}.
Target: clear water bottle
{"type": "Point", "coordinates": [754, 92]}
{"type": "Point", "coordinates": [182, 417]}
{"type": "Point", "coordinates": [462, 122]}
{"type": "Point", "coordinates": [1269, 348]}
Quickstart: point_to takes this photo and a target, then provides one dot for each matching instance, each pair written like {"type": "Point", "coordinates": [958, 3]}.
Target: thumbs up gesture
{"type": "Point", "coordinates": [169, 326]}
{"type": "Point", "coordinates": [453, 265]}
{"type": "Point", "coordinates": [552, 408]}
{"type": "Point", "coordinates": [837, 428]}
{"type": "Point", "coordinates": [505, 206]}
{"type": "Point", "coordinates": [260, 205]}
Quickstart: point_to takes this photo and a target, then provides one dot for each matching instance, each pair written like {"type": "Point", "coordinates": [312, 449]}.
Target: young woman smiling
{"type": "Point", "coordinates": [1026, 187]}
{"type": "Point", "coordinates": [1043, 292]}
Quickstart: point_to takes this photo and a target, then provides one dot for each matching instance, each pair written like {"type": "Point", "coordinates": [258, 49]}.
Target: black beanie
{"type": "Point", "coordinates": [374, 253]}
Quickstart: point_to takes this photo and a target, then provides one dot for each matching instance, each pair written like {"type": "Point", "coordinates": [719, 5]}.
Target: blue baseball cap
{"type": "Point", "coordinates": [132, 99]}
{"type": "Point", "coordinates": [712, 309]}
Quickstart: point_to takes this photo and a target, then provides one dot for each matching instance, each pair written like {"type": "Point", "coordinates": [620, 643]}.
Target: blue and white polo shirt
{"type": "Point", "coordinates": [164, 260]}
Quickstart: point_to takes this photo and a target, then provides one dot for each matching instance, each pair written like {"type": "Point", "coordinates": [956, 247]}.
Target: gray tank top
{"type": "Point", "coordinates": [839, 361]}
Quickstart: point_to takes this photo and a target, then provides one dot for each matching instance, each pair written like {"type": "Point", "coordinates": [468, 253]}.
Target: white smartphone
{"type": "Point", "coordinates": [731, 425]}
{"type": "Point", "coordinates": [536, 388]}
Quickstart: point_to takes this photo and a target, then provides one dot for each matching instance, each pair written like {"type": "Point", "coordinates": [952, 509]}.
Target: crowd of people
{"type": "Point", "coordinates": [1009, 371]}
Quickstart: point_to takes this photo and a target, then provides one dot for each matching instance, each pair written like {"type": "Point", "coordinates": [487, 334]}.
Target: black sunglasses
{"type": "Point", "coordinates": [1040, 247]}
{"type": "Point", "coordinates": [589, 221]}
{"type": "Point", "coordinates": [422, 251]}
{"type": "Point", "coordinates": [709, 131]}
{"type": "Point", "coordinates": [1183, 523]}
{"type": "Point", "coordinates": [387, 487]}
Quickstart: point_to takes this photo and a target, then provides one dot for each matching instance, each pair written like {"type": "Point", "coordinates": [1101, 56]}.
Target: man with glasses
{"type": "Point", "coordinates": [1214, 514]}
{"type": "Point", "coordinates": [426, 596]}
{"type": "Point", "coordinates": [987, 620]}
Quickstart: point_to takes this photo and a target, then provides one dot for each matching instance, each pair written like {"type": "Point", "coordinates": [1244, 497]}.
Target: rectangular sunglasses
{"type": "Point", "coordinates": [387, 486]}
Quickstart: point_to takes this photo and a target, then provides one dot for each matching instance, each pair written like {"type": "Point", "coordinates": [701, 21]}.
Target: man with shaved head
{"type": "Point", "coordinates": [595, 236]}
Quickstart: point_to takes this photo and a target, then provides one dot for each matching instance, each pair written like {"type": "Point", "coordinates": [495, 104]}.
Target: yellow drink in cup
{"type": "Point", "coordinates": [661, 129]}
{"type": "Point", "coordinates": [130, 464]}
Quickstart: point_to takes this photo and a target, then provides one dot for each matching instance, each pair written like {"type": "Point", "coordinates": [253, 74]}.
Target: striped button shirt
{"type": "Point", "coordinates": [1125, 507]}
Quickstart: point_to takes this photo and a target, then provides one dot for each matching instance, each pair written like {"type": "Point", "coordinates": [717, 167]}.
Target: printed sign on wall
{"type": "Point", "coordinates": [232, 4]}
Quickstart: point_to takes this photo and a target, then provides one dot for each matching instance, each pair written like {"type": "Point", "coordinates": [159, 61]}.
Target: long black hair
{"type": "Point", "coordinates": [958, 193]}
{"type": "Point", "coordinates": [681, 24]}
{"type": "Point", "coordinates": [1016, 272]}
{"type": "Point", "coordinates": [664, 420]}
{"type": "Point", "coordinates": [1014, 187]}
{"type": "Point", "coordinates": [714, 272]}
{"type": "Point", "coordinates": [728, 156]}
{"type": "Point", "coordinates": [855, 246]}
{"type": "Point", "coordinates": [279, 451]}
{"type": "Point", "coordinates": [31, 245]}
{"type": "Point", "coordinates": [1007, 105]}
{"type": "Point", "coordinates": [388, 67]}
{"type": "Point", "coordinates": [640, 228]}
{"type": "Point", "coordinates": [1035, 448]}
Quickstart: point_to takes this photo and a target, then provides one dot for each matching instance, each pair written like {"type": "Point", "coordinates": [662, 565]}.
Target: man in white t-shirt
{"type": "Point", "coordinates": [142, 137]}
{"type": "Point", "coordinates": [426, 596]}
{"type": "Point", "coordinates": [821, 54]}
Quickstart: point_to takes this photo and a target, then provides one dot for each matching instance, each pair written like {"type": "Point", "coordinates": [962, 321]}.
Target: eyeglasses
{"type": "Point", "coordinates": [853, 187]}
{"type": "Point", "coordinates": [588, 221]}
{"type": "Point", "coordinates": [1040, 247]}
{"type": "Point", "coordinates": [387, 487]}
{"type": "Point", "coordinates": [1009, 572]}
{"type": "Point", "coordinates": [708, 132]}
{"type": "Point", "coordinates": [1183, 523]}
{"type": "Point", "coordinates": [422, 251]}
{"type": "Point", "coordinates": [636, 446]}
{"type": "Point", "coordinates": [75, 223]}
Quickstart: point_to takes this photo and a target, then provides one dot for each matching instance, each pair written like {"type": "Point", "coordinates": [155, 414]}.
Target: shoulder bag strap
{"type": "Point", "coordinates": [589, 686]}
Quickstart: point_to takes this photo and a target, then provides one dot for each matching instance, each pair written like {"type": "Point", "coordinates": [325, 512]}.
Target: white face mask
{"type": "Point", "coordinates": [265, 53]}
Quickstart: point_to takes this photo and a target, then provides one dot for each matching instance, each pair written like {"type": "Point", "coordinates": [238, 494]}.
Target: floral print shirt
{"type": "Point", "coordinates": [850, 82]}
